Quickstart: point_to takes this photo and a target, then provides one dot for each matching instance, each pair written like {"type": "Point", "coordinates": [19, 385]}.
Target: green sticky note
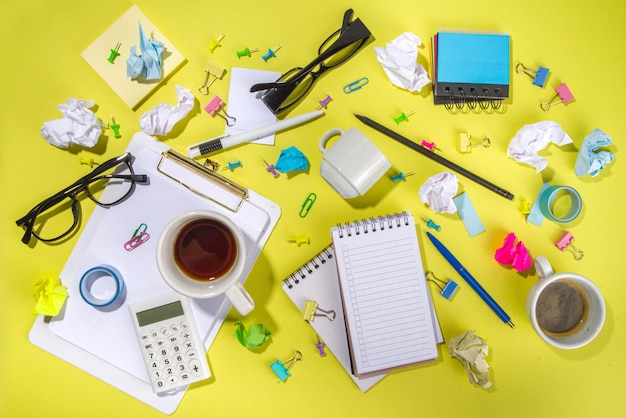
{"type": "Point", "coordinates": [252, 338]}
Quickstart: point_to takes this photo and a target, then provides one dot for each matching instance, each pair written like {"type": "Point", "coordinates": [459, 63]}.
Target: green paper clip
{"type": "Point", "coordinates": [306, 206]}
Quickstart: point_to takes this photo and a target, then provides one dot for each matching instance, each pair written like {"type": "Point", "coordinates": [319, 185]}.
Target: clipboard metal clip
{"type": "Point", "coordinates": [205, 173]}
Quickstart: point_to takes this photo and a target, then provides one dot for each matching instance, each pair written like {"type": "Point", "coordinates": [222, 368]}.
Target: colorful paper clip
{"type": "Point", "coordinates": [563, 95]}
{"type": "Point", "coordinates": [246, 52]}
{"type": "Point", "coordinates": [281, 368]}
{"type": "Point", "coordinates": [564, 243]}
{"type": "Point", "coordinates": [311, 310]}
{"type": "Point", "coordinates": [466, 142]}
{"type": "Point", "coordinates": [401, 176]}
{"type": "Point", "coordinates": [271, 169]}
{"type": "Point", "coordinates": [431, 224]}
{"type": "Point", "coordinates": [232, 166]}
{"type": "Point", "coordinates": [308, 203]}
{"type": "Point", "coordinates": [324, 102]}
{"type": "Point", "coordinates": [215, 106]}
{"type": "Point", "coordinates": [355, 85]}
{"type": "Point", "coordinates": [404, 117]}
{"type": "Point", "coordinates": [539, 75]}
{"type": "Point", "coordinates": [213, 72]}
{"type": "Point", "coordinates": [320, 347]}
{"type": "Point", "coordinates": [216, 42]}
{"type": "Point", "coordinates": [115, 127]}
{"type": "Point", "coordinates": [270, 53]}
{"type": "Point", "coordinates": [299, 240]}
{"type": "Point", "coordinates": [429, 145]}
{"type": "Point", "coordinates": [449, 288]}
{"type": "Point", "coordinates": [115, 52]}
{"type": "Point", "coordinates": [139, 237]}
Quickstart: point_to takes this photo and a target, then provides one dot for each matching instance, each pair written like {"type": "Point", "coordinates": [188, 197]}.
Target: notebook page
{"type": "Point", "coordinates": [384, 293]}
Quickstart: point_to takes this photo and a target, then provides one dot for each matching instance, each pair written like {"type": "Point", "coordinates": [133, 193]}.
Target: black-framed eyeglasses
{"type": "Point", "coordinates": [293, 85]}
{"type": "Point", "coordinates": [47, 221]}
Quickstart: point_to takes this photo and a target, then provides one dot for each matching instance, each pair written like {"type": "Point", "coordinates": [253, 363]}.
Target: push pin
{"type": "Point", "coordinates": [431, 224]}
{"type": "Point", "coordinates": [115, 52]}
{"type": "Point", "coordinates": [246, 52]}
{"type": "Point", "coordinates": [429, 145]}
{"type": "Point", "coordinates": [270, 168]}
{"type": "Point", "coordinates": [324, 102]}
{"type": "Point", "coordinates": [448, 289]}
{"type": "Point", "coordinates": [524, 207]}
{"type": "Point", "coordinates": [87, 161]}
{"type": "Point", "coordinates": [311, 310]}
{"type": "Point", "coordinates": [216, 42]}
{"type": "Point", "coordinates": [139, 237]}
{"type": "Point", "coordinates": [115, 127]}
{"type": "Point", "coordinates": [232, 166]}
{"type": "Point", "coordinates": [270, 53]}
{"type": "Point", "coordinates": [563, 95]}
{"type": "Point", "coordinates": [466, 143]}
{"type": "Point", "coordinates": [281, 368]}
{"type": "Point", "coordinates": [355, 85]}
{"type": "Point", "coordinates": [300, 239]}
{"type": "Point", "coordinates": [564, 243]}
{"type": "Point", "coordinates": [213, 72]}
{"type": "Point", "coordinates": [320, 347]}
{"type": "Point", "coordinates": [403, 117]}
{"type": "Point", "coordinates": [215, 106]}
{"type": "Point", "coordinates": [539, 75]}
{"type": "Point", "coordinates": [401, 176]}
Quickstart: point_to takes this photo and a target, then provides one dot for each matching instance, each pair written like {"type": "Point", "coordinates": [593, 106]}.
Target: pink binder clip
{"type": "Point", "coordinates": [564, 243]}
{"type": "Point", "coordinates": [564, 95]}
{"type": "Point", "coordinates": [215, 106]}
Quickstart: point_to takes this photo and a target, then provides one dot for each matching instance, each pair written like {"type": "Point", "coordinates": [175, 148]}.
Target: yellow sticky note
{"type": "Point", "coordinates": [50, 295]}
{"type": "Point", "coordinates": [125, 32]}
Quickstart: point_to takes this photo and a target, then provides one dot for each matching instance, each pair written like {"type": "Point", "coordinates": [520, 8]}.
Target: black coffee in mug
{"type": "Point", "coordinates": [205, 249]}
{"type": "Point", "coordinates": [562, 308]}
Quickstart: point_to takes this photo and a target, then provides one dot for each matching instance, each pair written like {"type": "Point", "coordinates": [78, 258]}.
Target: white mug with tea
{"type": "Point", "coordinates": [201, 254]}
{"type": "Point", "coordinates": [567, 310]}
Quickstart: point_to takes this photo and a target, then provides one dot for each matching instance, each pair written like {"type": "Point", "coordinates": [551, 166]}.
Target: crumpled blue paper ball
{"type": "Point", "coordinates": [589, 161]}
{"type": "Point", "coordinates": [292, 159]}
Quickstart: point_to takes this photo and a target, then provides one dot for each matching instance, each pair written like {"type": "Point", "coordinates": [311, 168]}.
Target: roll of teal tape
{"type": "Point", "coordinates": [100, 286]}
{"type": "Point", "coordinates": [547, 197]}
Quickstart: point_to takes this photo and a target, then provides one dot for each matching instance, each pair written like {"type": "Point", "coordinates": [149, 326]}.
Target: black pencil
{"type": "Point", "coordinates": [434, 156]}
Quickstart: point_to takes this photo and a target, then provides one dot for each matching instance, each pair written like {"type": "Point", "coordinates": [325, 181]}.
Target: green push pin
{"type": "Point", "coordinates": [115, 127]}
{"type": "Point", "coordinates": [246, 52]}
{"type": "Point", "coordinates": [114, 53]}
{"type": "Point", "coordinates": [403, 117]}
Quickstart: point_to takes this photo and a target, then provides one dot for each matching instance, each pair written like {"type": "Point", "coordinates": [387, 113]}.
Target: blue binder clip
{"type": "Point", "coordinates": [448, 290]}
{"type": "Point", "coordinates": [539, 75]}
{"type": "Point", "coordinates": [281, 368]}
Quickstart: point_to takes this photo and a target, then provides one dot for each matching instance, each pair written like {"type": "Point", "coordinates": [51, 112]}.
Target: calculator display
{"type": "Point", "coordinates": [160, 313]}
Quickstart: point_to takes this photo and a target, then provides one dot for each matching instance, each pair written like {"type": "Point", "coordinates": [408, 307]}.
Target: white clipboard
{"type": "Point", "coordinates": [103, 343]}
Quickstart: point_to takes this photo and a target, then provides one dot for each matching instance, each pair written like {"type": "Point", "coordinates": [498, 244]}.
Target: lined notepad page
{"type": "Point", "coordinates": [384, 294]}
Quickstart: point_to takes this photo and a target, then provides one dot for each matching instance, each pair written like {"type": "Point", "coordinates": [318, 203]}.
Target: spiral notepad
{"type": "Point", "coordinates": [385, 298]}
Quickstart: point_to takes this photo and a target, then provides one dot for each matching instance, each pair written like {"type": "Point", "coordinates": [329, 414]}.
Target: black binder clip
{"type": "Point", "coordinates": [539, 75]}
{"type": "Point", "coordinates": [448, 290]}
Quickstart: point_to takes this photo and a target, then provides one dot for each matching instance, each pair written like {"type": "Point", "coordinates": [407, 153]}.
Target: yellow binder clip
{"type": "Point", "coordinates": [311, 310]}
{"type": "Point", "coordinates": [466, 143]}
{"type": "Point", "coordinates": [213, 72]}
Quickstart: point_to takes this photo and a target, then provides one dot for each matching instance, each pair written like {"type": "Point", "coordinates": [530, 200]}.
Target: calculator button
{"type": "Point", "coordinates": [172, 380]}
{"type": "Point", "coordinates": [192, 354]}
{"type": "Point", "coordinates": [157, 374]}
{"type": "Point", "coordinates": [164, 352]}
{"type": "Point", "coordinates": [144, 337]}
{"type": "Point", "coordinates": [169, 371]}
{"type": "Point", "coordinates": [154, 364]}
{"type": "Point", "coordinates": [175, 328]}
{"type": "Point", "coordinates": [151, 355]}
{"type": "Point", "coordinates": [182, 367]}
{"type": "Point", "coordinates": [161, 342]}
{"type": "Point", "coordinates": [188, 345]}
{"type": "Point", "coordinates": [195, 367]}
{"type": "Point", "coordinates": [164, 330]}
{"type": "Point", "coordinates": [184, 325]}
{"type": "Point", "coordinates": [176, 348]}
{"type": "Point", "coordinates": [148, 346]}
{"type": "Point", "coordinates": [185, 376]}
{"type": "Point", "coordinates": [160, 383]}
{"type": "Point", "coordinates": [179, 357]}
{"type": "Point", "coordinates": [167, 361]}
{"type": "Point", "coordinates": [154, 334]}
{"type": "Point", "coordinates": [186, 335]}
{"type": "Point", "coordinates": [173, 339]}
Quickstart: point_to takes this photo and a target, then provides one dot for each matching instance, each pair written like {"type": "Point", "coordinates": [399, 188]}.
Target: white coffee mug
{"type": "Point", "coordinates": [547, 306]}
{"type": "Point", "coordinates": [201, 254]}
{"type": "Point", "coordinates": [353, 164]}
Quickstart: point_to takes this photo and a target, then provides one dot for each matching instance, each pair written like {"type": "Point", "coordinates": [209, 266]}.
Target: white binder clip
{"type": "Point", "coordinates": [564, 243]}
{"type": "Point", "coordinates": [466, 143]}
{"type": "Point", "coordinates": [539, 75]}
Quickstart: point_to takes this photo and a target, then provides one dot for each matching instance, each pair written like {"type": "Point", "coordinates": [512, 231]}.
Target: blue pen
{"type": "Point", "coordinates": [471, 280]}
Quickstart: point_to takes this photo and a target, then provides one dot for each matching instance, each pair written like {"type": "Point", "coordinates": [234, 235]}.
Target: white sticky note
{"type": "Point", "coordinates": [468, 215]}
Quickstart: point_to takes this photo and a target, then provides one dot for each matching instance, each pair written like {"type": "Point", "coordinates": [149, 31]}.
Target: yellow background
{"type": "Point", "coordinates": [579, 41]}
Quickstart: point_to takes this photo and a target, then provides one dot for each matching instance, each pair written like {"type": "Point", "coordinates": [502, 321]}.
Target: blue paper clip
{"type": "Point", "coordinates": [139, 237]}
{"type": "Point", "coordinates": [448, 290]}
{"type": "Point", "coordinates": [279, 369]}
{"type": "Point", "coordinates": [356, 85]}
{"type": "Point", "coordinates": [306, 206]}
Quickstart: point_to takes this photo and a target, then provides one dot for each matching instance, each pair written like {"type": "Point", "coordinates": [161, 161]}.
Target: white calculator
{"type": "Point", "coordinates": [169, 341]}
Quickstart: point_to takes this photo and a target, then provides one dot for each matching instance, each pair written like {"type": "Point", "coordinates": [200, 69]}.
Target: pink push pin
{"type": "Point", "coordinates": [563, 95]}
{"type": "Point", "coordinates": [429, 145]}
{"type": "Point", "coordinates": [215, 106]}
{"type": "Point", "coordinates": [564, 243]}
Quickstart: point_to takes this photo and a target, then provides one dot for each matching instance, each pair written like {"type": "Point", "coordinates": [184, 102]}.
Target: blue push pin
{"type": "Point", "coordinates": [281, 368]}
{"type": "Point", "coordinates": [270, 53]}
{"type": "Point", "coordinates": [448, 290]}
{"type": "Point", "coordinates": [401, 176]}
{"type": "Point", "coordinates": [232, 166]}
{"type": "Point", "coordinates": [431, 224]}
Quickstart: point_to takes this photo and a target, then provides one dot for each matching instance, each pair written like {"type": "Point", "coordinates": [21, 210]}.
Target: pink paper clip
{"type": "Point", "coordinates": [215, 106]}
{"type": "Point", "coordinates": [139, 237]}
{"type": "Point", "coordinates": [563, 93]}
{"type": "Point", "coordinates": [564, 243]}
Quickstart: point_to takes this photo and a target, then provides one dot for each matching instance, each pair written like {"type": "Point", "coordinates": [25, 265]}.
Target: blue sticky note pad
{"type": "Point", "coordinates": [477, 58]}
{"type": "Point", "coordinates": [468, 215]}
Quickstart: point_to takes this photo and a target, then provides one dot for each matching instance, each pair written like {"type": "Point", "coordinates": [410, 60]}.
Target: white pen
{"type": "Point", "coordinates": [226, 141]}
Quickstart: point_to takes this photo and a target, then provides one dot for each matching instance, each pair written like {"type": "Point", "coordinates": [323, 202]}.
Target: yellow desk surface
{"type": "Point", "coordinates": [579, 42]}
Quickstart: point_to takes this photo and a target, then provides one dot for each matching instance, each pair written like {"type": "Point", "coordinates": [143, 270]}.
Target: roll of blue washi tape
{"type": "Point", "coordinates": [100, 286]}
{"type": "Point", "coordinates": [547, 197]}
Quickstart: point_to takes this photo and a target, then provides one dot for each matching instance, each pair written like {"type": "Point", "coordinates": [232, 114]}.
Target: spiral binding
{"type": "Point", "coordinates": [372, 224]}
{"type": "Point", "coordinates": [309, 267]}
{"type": "Point", "coordinates": [484, 100]}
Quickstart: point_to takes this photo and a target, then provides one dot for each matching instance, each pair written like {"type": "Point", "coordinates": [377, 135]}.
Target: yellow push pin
{"type": "Point", "coordinates": [216, 42]}
{"type": "Point", "coordinates": [87, 161]}
{"type": "Point", "coordinates": [300, 239]}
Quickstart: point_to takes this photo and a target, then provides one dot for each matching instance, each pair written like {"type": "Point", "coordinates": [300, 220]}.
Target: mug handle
{"type": "Point", "coordinates": [240, 298]}
{"type": "Point", "coordinates": [327, 135]}
{"type": "Point", "coordinates": [543, 267]}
